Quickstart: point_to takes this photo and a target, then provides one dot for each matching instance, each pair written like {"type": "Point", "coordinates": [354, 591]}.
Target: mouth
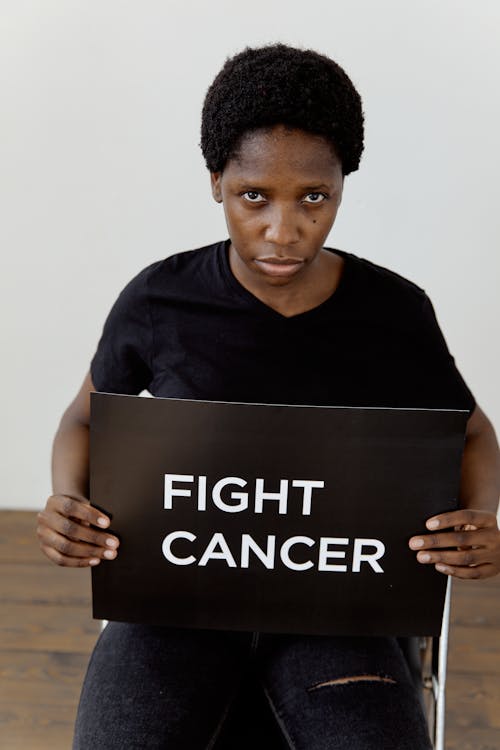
{"type": "Point", "coordinates": [274, 266]}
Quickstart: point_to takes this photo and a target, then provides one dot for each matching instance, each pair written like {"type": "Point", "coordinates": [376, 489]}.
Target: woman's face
{"type": "Point", "coordinates": [280, 198]}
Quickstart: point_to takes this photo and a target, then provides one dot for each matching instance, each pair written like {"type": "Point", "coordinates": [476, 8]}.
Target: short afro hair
{"type": "Point", "coordinates": [278, 84]}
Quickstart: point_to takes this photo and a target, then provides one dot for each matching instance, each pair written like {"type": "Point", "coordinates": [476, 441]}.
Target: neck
{"type": "Point", "coordinates": [300, 293]}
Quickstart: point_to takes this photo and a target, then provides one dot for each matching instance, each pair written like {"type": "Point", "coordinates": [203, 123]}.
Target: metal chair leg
{"type": "Point", "coordinates": [439, 681]}
{"type": "Point", "coordinates": [434, 657]}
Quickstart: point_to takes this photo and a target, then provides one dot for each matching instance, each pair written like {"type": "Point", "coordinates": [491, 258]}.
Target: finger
{"type": "Point", "coordinates": [468, 557]}
{"type": "Point", "coordinates": [478, 518]}
{"type": "Point", "coordinates": [70, 507]}
{"type": "Point", "coordinates": [69, 562]}
{"type": "Point", "coordinates": [76, 531]}
{"type": "Point", "coordinates": [479, 571]}
{"type": "Point", "coordinates": [68, 548]}
{"type": "Point", "coordinates": [480, 538]}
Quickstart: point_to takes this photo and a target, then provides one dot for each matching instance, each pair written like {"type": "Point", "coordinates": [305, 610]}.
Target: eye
{"type": "Point", "coordinates": [325, 197]}
{"type": "Point", "coordinates": [251, 193]}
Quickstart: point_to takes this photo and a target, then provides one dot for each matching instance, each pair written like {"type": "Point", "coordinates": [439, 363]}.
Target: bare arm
{"type": "Point", "coordinates": [70, 458]}
{"type": "Point", "coordinates": [472, 548]}
{"type": "Point", "coordinates": [480, 480]}
{"type": "Point", "coordinates": [69, 530]}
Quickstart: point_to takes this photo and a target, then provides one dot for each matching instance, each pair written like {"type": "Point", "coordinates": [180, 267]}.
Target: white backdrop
{"type": "Point", "coordinates": [102, 173]}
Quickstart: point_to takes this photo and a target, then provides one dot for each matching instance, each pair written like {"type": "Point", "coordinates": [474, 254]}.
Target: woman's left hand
{"type": "Point", "coordinates": [471, 550]}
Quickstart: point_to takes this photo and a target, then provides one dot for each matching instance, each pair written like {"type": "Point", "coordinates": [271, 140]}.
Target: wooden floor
{"type": "Point", "coordinates": [47, 634]}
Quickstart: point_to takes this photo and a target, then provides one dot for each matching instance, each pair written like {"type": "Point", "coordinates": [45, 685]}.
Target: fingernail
{"type": "Point", "coordinates": [110, 554]}
{"type": "Point", "coordinates": [442, 568]}
{"type": "Point", "coordinates": [416, 543]}
{"type": "Point", "coordinates": [432, 524]}
{"type": "Point", "coordinates": [111, 542]}
{"type": "Point", "coordinates": [103, 521]}
{"type": "Point", "coordinates": [94, 561]}
{"type": "Point", "coordinates": [424, 557]}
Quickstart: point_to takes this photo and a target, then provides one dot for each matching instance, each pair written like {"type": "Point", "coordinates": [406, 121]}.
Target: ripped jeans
{"type": "Point", "coordinates": [159, 688]}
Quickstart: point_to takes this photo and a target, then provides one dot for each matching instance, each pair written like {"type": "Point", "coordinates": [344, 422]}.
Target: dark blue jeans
{"type": "Point", "coordinates": [162, 688]}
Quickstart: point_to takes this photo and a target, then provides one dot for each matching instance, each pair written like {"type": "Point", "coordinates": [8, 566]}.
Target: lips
{"type": "Point", "coordinates": [273, 266]}
{"type": "Point", "coordinates": [280, 261]}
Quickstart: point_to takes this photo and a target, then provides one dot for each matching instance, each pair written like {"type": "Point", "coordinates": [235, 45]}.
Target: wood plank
{"type": "Point", "coordinates": [18, 539]}
{"type": "Point", "coordinates": [473, 739]}
{"type": "Point", "coordinates": [474, 650]}
{"type": "Point", "coordinates": [476, 603]}
{"type": "Point", "coordinates": [41, 727]}
{"type": "Point", "coordinates": [27, 676]}
{"type": "Point", "coordinates": [473, 701]}
{"type": "Point", "coordinates": [48, 628]}
{"type": "Point", "coordinates": [45, 583]}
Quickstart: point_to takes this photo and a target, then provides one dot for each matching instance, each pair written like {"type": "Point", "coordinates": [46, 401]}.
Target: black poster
{"type": "Point", "coordinates": [271, 518]}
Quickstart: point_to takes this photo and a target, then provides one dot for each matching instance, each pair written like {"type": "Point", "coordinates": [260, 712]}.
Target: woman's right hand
{"type": "Point", "coordinates": [72, 533]}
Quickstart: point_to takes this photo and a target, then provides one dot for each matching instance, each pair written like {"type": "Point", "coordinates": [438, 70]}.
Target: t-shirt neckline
{"type": "Point", "coordinates": [334, 298]}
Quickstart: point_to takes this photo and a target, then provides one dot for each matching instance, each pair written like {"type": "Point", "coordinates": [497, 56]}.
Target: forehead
{"type": "Point", "coordinates": [291, 151]}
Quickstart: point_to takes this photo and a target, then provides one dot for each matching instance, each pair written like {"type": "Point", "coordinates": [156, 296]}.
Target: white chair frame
{"type": "Point", "coordinates": [434, 655]}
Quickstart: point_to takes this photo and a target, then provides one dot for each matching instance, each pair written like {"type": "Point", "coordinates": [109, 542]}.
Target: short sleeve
{"type": "Point", "coordinates": [122, 362]}
{"type": "Point", "coordinates": [440, 377]}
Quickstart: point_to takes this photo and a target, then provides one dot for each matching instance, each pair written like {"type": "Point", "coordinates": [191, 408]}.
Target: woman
{"type": "Point", "coordinates": [269, 315]}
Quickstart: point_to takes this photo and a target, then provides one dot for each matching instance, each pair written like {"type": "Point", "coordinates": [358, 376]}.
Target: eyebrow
{"type": "Point", "coordinates": [254, 186]}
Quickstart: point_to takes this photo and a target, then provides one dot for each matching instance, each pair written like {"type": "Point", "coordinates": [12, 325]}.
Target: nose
{"type": "Point", "coordinates": [282, 227]}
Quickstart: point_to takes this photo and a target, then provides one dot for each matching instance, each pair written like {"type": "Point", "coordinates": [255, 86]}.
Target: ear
{"type": "Point", "coordinates": [215, 179]}
{"type": "Point", "coordinates": [341, 192]}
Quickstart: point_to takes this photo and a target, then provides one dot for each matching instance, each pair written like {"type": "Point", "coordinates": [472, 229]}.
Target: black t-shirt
{"type": "Point", "coordinates": [184, 327]}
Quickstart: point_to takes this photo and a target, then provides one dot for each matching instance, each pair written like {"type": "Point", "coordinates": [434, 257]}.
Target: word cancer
{"type": "Point", "coordinates": [218, 549]}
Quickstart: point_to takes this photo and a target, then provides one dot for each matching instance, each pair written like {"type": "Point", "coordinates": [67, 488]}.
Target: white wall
{"type": "Point", "coordinates": [102, 173]}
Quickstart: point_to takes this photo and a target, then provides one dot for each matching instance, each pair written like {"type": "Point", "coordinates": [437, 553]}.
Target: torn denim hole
{"type": "Point", "coordinates": [354, 678]}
